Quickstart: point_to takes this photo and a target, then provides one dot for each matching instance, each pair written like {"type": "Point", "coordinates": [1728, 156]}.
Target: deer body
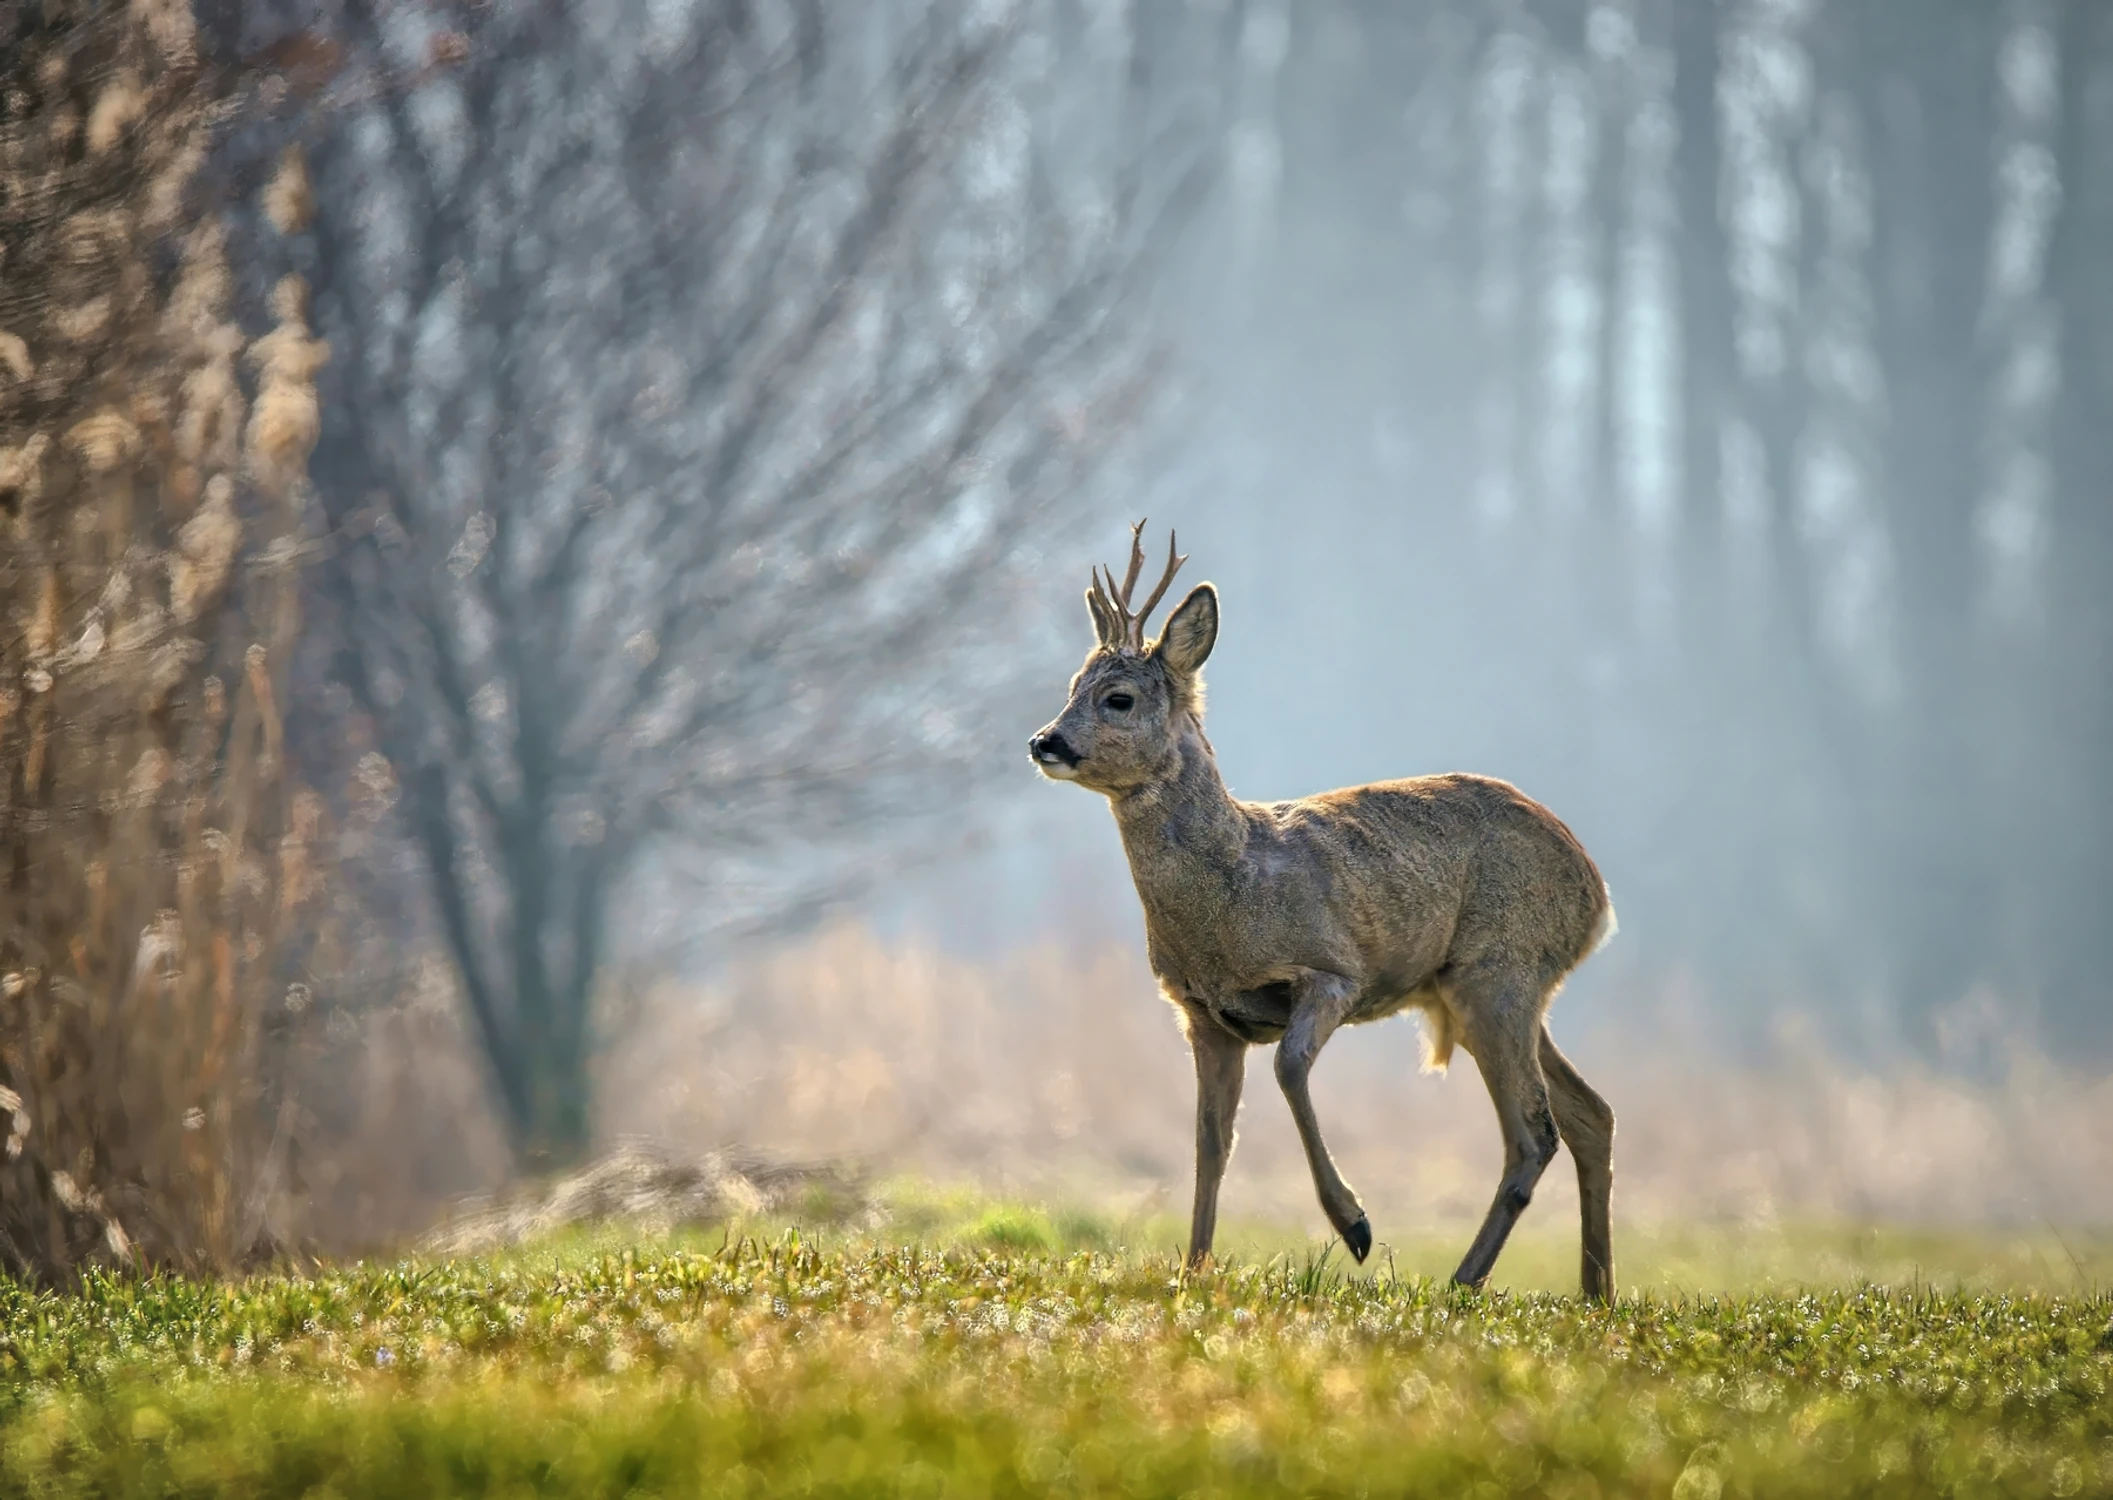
{"type": "Point", "coordinates": [1280, 922]}
{"type": "Point", "coordinates": [1389, 886]}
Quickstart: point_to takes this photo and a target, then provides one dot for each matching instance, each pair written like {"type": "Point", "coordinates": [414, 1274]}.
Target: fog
{"type": "Point", "coordinates": [1690, 414]}
{"type": "Point", "coordinates": [533, 538]}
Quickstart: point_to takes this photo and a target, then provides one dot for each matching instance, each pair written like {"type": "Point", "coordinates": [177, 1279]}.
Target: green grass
{"type": "Point", "coordinates": [1014, 1351]}
{"type": "Point", "coordinates": [1682, 1258]}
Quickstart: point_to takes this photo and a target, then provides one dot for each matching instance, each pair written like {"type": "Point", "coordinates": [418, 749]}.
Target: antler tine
{"type": "Point", "coordinates": [1137, 564]}
{"type": "Point", "coordinates": [1104, 580]}
{"type": "Point", "coordinates": [1130, 625]}
{"type": "Point", "coordinates": [1104, 591]}
{"type": "Point", "coordinates": [1173, 566]}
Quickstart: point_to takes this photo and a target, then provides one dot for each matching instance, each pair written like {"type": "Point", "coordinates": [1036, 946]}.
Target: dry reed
{"type": "Point", "coordinates": [157, 857]}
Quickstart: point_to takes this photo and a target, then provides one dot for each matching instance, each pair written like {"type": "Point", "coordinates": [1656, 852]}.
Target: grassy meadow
{"type": "Point", "coordinates": [965, 1346]}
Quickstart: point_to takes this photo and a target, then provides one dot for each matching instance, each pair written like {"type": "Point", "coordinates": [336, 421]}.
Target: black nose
{"type": "Point", "coordinates": [1049, 748]}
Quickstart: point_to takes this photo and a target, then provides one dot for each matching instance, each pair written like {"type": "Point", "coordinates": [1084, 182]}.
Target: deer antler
{"type": "Point", "coordinates": [1130, 628]}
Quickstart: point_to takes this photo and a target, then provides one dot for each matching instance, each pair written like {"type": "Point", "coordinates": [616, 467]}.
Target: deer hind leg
{"type": "Point", "coordinates": [1320, 1003]}
{"type": "Point", "coordinates": [1587, 1124]}
{"type": "Point", "coordinates": [1501, 1026]}
{"type": "Point", "coordinates": [1221, 1065]}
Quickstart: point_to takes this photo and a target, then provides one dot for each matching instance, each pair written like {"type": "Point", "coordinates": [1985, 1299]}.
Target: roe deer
{"type": "Point", "coordinates": [1280, 921]}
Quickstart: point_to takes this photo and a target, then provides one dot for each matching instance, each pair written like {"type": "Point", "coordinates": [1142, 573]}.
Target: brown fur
{"type": "Point", "coordinates": [1280, 921]}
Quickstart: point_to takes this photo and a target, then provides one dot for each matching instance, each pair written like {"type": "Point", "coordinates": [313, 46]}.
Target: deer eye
{"type": "Point", "coordinates": [1122, 703]}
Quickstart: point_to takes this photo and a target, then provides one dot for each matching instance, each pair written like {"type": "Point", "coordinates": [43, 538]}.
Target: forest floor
{"type": "Point", "coordinates": [962, 1346]}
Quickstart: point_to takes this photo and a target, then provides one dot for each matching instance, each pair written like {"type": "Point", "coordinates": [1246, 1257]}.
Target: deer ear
{"type": "Point", "coordinates": [1104, 627]}
{"type": "Point", "coordinates": [1190, 631]}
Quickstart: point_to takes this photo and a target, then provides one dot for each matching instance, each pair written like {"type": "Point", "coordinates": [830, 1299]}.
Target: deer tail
{"type": "Point", "coordinates": [1440, 1032]}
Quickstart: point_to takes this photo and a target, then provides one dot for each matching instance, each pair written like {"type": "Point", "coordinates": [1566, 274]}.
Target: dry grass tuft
{"type": "Point", "coordinates": [204, 552]}
{"type": "Point", "coordinates": [122, 101]}
{"type": "Point", "coordinates": [14, 354]}
{"type": "Point", "coordinates": [285, 420]}
{"type": "Point", "coordinates": [289, 199]}
{"type": "Point", "coordinates": [643, 1188]}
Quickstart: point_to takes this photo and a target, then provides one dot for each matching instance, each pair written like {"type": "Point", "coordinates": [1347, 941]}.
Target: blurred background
{"type": "Point", "coordinates": [534, 536]}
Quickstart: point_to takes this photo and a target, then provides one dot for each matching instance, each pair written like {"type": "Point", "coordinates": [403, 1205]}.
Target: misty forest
{"type": "Point", "coordinates": [516, 501]}
{"type": "Point", "coordinates": [534, 535]}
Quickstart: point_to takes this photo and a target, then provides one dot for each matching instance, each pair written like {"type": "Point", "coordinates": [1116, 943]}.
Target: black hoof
{"type": "Point", "coordinates": [1359, 1238]}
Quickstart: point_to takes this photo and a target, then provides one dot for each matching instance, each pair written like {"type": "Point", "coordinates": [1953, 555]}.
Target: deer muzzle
{"type": "Point", "coordinates": [1054, 755]}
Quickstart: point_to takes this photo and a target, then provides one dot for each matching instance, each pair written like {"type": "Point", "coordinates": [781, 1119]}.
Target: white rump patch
{"type": "Point", "coordinates": [1608, 925]}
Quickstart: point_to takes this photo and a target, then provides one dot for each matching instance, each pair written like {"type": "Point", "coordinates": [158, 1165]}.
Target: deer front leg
{"type": "Point", "coordinates": [1221, 1064]}
{"type": "Point", "coordinates": [1319, 1004]}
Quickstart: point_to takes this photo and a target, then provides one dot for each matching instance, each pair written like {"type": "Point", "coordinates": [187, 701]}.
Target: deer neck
{"type": "Point", "coordinates": [1180, 826]}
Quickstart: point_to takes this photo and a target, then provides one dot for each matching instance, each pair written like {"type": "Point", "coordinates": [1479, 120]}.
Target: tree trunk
{"type": "Point", "coordinates": [1708, 692]}
{"type": "Point", "coordinates": [1706, 369]}
{"type": "Point", "coordinates": [2078, 856]}
{"type": "Point", "coordinates": [552, 993]}
{"type": "Point", "coordinates": [1927, 84]}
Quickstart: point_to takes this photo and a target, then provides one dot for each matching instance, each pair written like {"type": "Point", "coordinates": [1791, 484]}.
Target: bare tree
{"type": "Point", "coordinates": [703, 384]}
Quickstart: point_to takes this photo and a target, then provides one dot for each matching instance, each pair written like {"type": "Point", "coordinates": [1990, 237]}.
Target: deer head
{"type": "Point", "coordinates": [1133, 701]}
